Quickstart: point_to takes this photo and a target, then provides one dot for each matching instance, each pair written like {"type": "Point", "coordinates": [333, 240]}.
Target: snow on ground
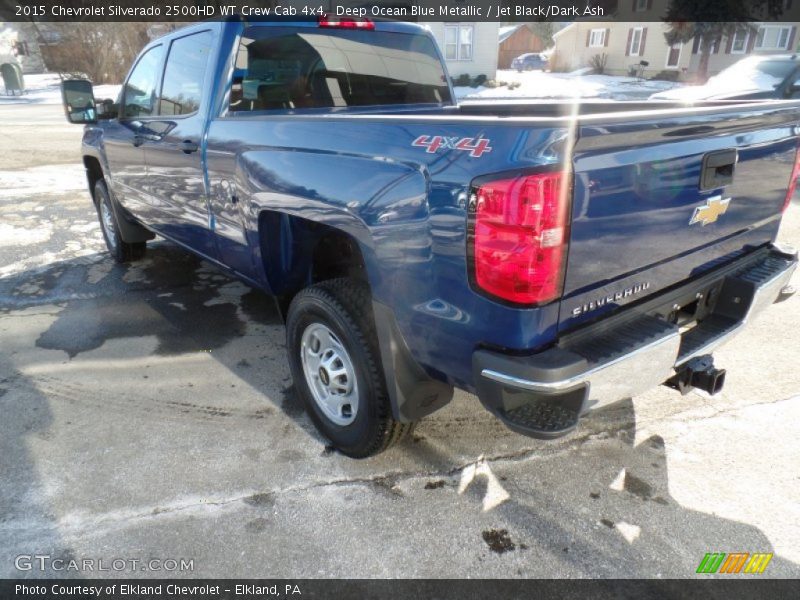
{"type": "Point", "coordinates": [537, 84]}
{"type": "Point", "coordinates": [47, 179]}
{"type": "Point", "coordinates": [45, 88]}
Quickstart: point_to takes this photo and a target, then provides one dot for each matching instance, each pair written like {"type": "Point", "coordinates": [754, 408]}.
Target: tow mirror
{"type": "Point", "coordinates": [78, 99]}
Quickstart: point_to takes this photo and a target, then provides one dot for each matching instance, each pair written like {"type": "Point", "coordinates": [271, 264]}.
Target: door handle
{"type": "Point", "coordinates": [717, 169]}
{"type": "Point", "coordinates": [188, 146]}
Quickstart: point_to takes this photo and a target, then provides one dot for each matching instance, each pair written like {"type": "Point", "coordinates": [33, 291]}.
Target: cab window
{"type": "Point", "coordinates": [139, 95]}
{"type": "Point", "coordinates": [185, 74]}
{"type": "Point", "coordinates": [279, 68]}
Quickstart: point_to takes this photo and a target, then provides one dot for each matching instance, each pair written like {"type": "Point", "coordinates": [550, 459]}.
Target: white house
{"type": "Point", "coordinates": [468, 48]}
{"type": "Point", "coordinates": [18, 44]}
{"type": "Point", "coordinates": [636, 35]}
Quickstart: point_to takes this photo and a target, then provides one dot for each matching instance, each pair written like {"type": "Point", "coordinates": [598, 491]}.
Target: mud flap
{"type": "Point", "coordinates": [412, 392]}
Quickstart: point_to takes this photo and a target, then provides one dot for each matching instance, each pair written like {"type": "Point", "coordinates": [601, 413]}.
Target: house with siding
{"type": "Point", "coordinates": [468, 47]}
{"type": "Point", "coordinates": [637, 36]}
{"type": "Point", "coordinates": [19, 44]}
{"type": "Point", "coordinates": [625, 46]}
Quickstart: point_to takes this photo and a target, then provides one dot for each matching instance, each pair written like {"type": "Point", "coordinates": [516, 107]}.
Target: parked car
{"type": "Point", "coordinates": [413, 245]}
{"type": "Point", "coordinates": [755, 77]}
{"type": "Point", "coordinates": [529, 62]}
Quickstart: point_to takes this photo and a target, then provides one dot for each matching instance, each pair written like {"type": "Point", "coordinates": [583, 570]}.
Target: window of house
{"type": "Point", "coordinates": [639, 5]}
{"type": "Point", "coordinates": [597, 38]}
{"type": "Point", "coordinates": [739, 43]}
{"type": "Point", "coordinates": [139, 95]}
{"type": "Point", "coordinates": [184, 74]}
{"type": "Point", "coordinates": [636, 41]}
{"type": "Point", "coordinates": [674, 56]}
{"type": "Point", "coordinates": [458, 42]}
{"type": "Point", "coordinates": [772, 37]}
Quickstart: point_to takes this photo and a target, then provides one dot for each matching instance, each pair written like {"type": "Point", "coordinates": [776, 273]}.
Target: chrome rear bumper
{"type": "Point", "coordinates": [610, 362]}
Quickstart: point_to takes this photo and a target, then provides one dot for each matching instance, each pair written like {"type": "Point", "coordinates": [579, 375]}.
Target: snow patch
{"type": "Point", "coordinates": [537, 84]}
{"type": "Point", "coordinates": [45, 88]}
{"type": "Point", "coordinates": [619, 482]}
{"type": "Point", "coordinates": [628, 531]}
{"type": "Point", "coordinates": [48, 179]}
{"type": "Point", "coordinates": [21, 236]}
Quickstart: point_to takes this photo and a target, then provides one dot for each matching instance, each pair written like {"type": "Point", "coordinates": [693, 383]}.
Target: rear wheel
{"type": "Point", "coordinates": [334, 358]}
{"type": "Point", "coordinates": [120, 250]}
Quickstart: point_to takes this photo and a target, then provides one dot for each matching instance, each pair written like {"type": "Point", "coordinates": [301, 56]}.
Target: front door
{"type": "Point", "coordinates": [124, 137]}
{"type": "Point", "coordinates": [175, 152]}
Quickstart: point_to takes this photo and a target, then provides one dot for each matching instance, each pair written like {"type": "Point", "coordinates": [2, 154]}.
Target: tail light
{"type": "Point", "coordinates": [345, 23]}
{"type": "Point", "coordinates": [793, 180]}
{"type": "Point", "coordinates": [518, 235]}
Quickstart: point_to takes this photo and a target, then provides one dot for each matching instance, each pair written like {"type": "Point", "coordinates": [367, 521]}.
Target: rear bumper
{"type": "Point", "coordinates": [543, 395]}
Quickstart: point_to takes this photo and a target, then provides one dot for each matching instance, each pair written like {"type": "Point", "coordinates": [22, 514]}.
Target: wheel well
{"type": "Point", "coordinates": [94, 172]}
{"type": "Point", "coordinates": [298, 252]}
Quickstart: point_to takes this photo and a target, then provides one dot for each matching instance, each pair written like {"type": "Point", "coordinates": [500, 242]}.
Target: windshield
{"type": "Point", "coordinates": [760, 74]}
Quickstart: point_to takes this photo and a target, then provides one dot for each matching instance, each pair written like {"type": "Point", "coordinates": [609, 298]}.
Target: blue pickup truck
{"type": "Point", "coordinates": [548, 257]}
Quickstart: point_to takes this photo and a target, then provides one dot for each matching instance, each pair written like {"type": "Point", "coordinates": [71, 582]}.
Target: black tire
{"type": "Point", "coordinates": [120, 250]}
{"type": "Point", "coordinates": [344, 307]}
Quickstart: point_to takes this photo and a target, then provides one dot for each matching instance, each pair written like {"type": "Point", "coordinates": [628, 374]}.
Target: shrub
{"type": "Point", "coordinates": [556, 65]}
{"type": "Point", "coordinates": [479, 80]}
{"type": "Point", "coordinates": [462, 80]}
{"type": "Point", "coordinates": [667, 76]}
{"type": "Point", "coordinates": [598, 63]}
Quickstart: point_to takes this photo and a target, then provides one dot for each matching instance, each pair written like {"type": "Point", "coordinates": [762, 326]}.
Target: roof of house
{"type": "Point", "coordinates": [506, 32]}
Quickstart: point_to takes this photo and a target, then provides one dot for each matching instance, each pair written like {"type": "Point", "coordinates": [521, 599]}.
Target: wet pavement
{"type": "Point", "coordinates": [148, 413]}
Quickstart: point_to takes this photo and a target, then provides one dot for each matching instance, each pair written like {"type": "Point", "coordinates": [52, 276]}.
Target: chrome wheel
{"type": "Point", "coordinates": [107, 223]}
{"type": "Point", "coordinates": [329, 373]}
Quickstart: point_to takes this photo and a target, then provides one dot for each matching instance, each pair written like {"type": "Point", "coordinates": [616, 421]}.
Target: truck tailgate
{"type": "Point", "coordinates": [666, 197]}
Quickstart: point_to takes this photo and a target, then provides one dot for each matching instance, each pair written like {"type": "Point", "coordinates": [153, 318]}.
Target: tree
{"type": "Point", "coordinates": [101, 51]}
{"type": "Point", "coordinates": [708, 21]}
{"type": "Point", "coordinates": [545, 31]}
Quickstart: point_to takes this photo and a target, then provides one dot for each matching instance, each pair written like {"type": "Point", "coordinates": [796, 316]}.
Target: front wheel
{"type": "Point", "coordinates": [120, 250]}
{"type": "Point", "coordinates": [335, 363]}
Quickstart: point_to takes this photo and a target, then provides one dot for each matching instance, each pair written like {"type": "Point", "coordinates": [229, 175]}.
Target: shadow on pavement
{"type": "Point", "coordinates": [600, 506]}
{"type": "Point", "coordinates": [27, 524]}
{"type": "Point", "coordinates": [622, 510]}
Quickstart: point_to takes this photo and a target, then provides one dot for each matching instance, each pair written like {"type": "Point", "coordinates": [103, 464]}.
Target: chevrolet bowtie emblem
{"type": "Point", "coordinates": [710, 211]}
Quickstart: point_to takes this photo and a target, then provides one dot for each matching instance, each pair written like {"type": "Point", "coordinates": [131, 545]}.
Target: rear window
{"type": "Point", "coordinates": [281, 68]}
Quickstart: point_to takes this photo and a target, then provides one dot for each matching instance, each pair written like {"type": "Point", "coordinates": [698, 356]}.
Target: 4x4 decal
{"type": "Point", "coordinates": [475, 146]}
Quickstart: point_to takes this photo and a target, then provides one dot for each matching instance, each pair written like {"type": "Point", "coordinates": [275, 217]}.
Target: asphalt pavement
{"type": "Point", "coordinates": [147, 414]}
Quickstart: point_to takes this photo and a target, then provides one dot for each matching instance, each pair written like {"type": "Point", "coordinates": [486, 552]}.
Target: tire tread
{"type": "Point", "coordinates": [353, 301]}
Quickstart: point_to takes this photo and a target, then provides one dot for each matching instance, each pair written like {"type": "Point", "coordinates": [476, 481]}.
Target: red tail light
{"type": "Point", "coordinates": [345, 23]}
{"type": "Point", "coordinates": [518, 231]}
{"type": "Point", "coordinates": [793, 180]}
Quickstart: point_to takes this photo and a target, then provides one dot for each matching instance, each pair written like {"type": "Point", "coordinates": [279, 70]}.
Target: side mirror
{"type": "Point", "coordinates": [78, 99]}
{"type": "Point", "coordinates": [107, 109]}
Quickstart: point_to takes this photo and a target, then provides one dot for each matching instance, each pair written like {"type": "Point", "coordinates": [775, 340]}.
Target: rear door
{"type": "Point", "coordinates": [176, 174]}
{"type": "Point", "coordinates": [660, 200]}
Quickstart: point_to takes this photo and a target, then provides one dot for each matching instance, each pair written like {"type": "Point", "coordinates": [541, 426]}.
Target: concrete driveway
{"type": "Point", "coordinates": [147, 414]}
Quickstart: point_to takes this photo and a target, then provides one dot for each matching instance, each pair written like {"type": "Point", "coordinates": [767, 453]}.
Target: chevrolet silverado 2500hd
{"type": "Point", "coordinates": [549, 258]}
